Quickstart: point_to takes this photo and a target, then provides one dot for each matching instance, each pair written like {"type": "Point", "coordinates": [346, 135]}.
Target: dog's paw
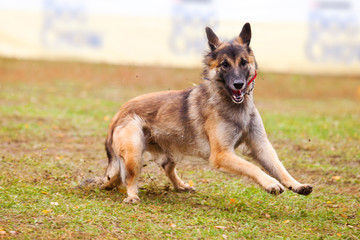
{"type": "Point", "coordinates": [275, 189]}
{"type": "Point", "coordinates": [132, 199]}
{"type": "Point", "coordinates": [304, 189]}
{"type": "Point", "coordinates": [185, 188]}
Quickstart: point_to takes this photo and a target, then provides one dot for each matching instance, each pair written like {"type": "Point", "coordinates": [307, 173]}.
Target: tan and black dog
{"type": "Point", "coordinates": [208, 121]}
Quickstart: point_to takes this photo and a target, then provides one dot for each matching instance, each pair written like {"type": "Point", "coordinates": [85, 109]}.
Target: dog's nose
{"type": "Point", "coordinates": [238, 84]}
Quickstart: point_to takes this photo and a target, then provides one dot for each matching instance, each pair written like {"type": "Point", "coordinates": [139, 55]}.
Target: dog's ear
{"type": "Point", "coordinates": [245, 35]}
{"type": "Point", "coordinates": [214, 41]}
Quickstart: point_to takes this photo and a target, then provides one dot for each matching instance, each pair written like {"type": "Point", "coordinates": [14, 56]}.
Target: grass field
{"type": "Point", "coordinates": [54, 118]}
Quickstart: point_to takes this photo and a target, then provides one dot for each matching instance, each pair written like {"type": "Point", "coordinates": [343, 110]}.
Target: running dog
{"type": "Point", "coordinates": [208, 121]}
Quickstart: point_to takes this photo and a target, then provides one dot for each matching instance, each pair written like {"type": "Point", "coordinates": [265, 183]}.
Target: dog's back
{"type": "Point", "coordinates": [162, 117]}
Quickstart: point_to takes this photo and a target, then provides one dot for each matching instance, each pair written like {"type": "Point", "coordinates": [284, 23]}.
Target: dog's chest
{"type": "Point", "coordinates": [234, 127]}
{"type": "Point", "coordinates": [227, 133]}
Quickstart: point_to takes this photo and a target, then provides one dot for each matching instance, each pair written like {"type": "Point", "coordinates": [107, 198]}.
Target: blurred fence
{"type": "Point", "coordinates": [309, 36]}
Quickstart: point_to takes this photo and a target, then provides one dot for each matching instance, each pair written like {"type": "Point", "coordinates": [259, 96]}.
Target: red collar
{"type": "Point", "coordinates": [252, 78]}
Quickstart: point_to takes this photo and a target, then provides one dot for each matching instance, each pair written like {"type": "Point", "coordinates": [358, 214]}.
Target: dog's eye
{"type": "Point", "coordinates": [225, 64]}
{"type": "Point", "coordinates": [243, 62]}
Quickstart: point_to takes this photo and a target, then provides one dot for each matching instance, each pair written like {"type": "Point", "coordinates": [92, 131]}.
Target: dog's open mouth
{"type": "Point", "coordinates": [237, 95]}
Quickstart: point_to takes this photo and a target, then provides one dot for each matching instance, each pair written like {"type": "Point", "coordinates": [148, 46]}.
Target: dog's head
{"type": "Point", "coordinates": [231, 64]}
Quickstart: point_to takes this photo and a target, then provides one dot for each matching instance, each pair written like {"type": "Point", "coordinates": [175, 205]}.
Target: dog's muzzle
{"type": "Point", "coordinates": [238, 91]}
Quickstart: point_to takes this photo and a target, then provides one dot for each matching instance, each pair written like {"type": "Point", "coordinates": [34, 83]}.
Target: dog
{"type": "Point", "coordinates": [208, 121]}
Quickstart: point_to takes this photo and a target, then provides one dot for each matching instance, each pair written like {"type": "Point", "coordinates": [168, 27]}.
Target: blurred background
{"type": "Point", "coordinates": [67, 66]}
{"type": "Point", "coordinates": [289, 36]}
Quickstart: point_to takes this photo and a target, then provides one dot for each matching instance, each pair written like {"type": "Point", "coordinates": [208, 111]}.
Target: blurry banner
{"type": "Point", "coordinates": [310, 36]}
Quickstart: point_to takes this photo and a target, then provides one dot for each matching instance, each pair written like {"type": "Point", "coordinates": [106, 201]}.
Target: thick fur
{"type": "Point", "coordinates": [208, 121]}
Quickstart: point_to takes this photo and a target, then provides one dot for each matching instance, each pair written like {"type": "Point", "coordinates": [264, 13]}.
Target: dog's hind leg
{"type": "Point", "coordinates": [169, 168]}
{"type": "Point", "coordinates": [128, 144]}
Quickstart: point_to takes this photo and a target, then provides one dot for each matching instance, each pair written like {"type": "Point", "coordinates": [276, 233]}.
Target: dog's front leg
{"type": "Point", "coordinates": [228, 161]}
{"type": "Point", "coordinates": [265, 154]}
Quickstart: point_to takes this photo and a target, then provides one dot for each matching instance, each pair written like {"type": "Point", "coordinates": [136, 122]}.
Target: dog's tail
{"type": "Point", "coordinates": [115, 171]}
{"type": "Point", "coordinates": [108, 148]}
{"type": "Point", "coordinates": [114, 174]}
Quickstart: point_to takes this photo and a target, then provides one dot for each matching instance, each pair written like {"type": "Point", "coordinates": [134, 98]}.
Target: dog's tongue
{"type": "Point", "coordinates": [236, 92]}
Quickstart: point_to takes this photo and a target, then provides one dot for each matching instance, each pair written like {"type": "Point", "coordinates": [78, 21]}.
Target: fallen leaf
{"type": "Point", "coordinates": [338, 234]}
{"type": "Point", "coordinates": [106, 118]}
{"type": "Point", "coordinates": [60, 157]}
{"type": "Point", "coordinates": [46, 211]}
{"type": "Point", "coordinates": [43, 192]}
{"type": "Point", "coordinates": [54, 203]}
{"type": "Point", "coordinates": [26, 125]}
{"type": "Point", "coordinates": [205, 180]}
{"type": "Point", "coordinates": [191, 183]}
{"type": "Point", "coordinates": [220, 227]}
{"type": "Point", "coordinates": [329, 202]}
{"type": "Point", "coordinates": [224, 236]}
{"type": "Point", "coordinates": [232, 201]}
{"type": "Point", "coordinates": [12, 232]}
{"type": "Point", "coordinates": [76, 207]}
{"type": "Point", "coordinates": [122, 189]}
{"type": "Point", "coordinates": [60, 135]}
{"type": "Point", "coordinates": [286, 221]}
{"type": "Point", "coordinates": [343, 215]}
{"type": "Point", "coordinates": [337, 178]}
{"type": "Point", "coordinates": [172, 225]}
{"type": "Point", "coordinates": [267, 215]}
{"type": "Point", "coordinates": [2, 232]}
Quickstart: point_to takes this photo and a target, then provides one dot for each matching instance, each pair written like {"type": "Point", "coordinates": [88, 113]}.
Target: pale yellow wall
{"type": "Point", "coordinates": [144, 39]}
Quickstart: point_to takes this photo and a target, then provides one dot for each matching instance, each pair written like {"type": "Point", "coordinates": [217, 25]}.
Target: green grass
{"type": "Point", "coordinates": [52, 129]}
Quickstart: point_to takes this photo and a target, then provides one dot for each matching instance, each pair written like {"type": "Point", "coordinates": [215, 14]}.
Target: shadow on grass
{"type": "Point", "coordinates": [260, 205]}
